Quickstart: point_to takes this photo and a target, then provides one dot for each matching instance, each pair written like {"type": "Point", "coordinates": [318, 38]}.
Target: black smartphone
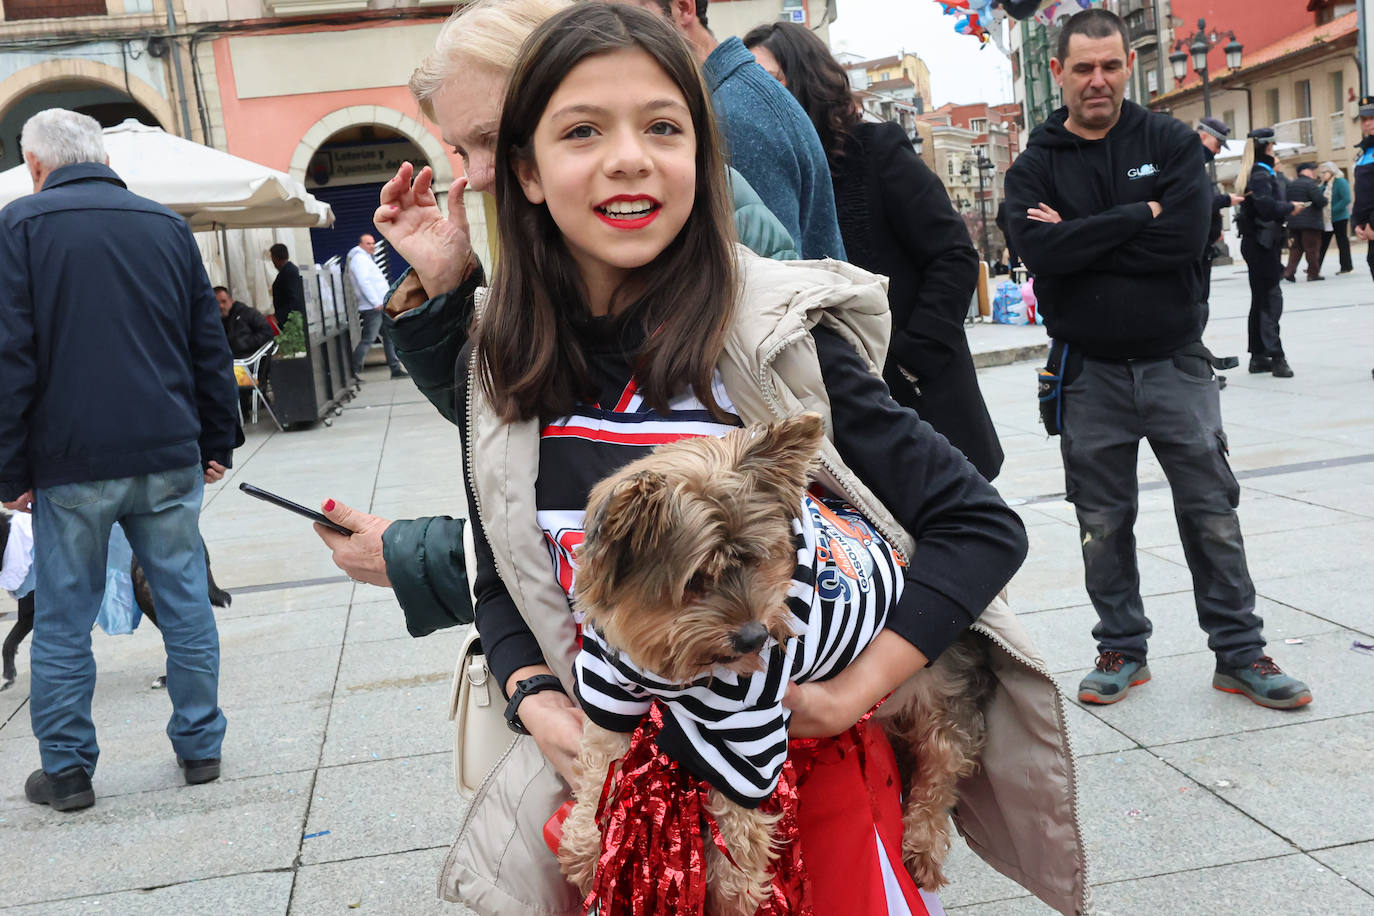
{"type": "Point", "coordinates": [274, 499]}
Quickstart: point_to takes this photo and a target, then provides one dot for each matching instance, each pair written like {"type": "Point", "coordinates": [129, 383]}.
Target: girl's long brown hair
{"type": "Point", "coordinates": [815, 79]}
{"type": "Point", "coordinates": [530, 362]}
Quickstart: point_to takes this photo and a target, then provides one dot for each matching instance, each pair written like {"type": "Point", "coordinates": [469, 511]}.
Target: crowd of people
{"type": "Point", "coordinates": [656, 189]}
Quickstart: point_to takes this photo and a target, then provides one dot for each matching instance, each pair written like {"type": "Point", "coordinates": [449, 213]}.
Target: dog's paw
{"type": "Point", "coordinates": [926, 871]}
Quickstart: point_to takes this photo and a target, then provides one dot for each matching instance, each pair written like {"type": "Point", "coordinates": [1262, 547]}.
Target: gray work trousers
{"type": "Point", "coordinates": [1174, 404]}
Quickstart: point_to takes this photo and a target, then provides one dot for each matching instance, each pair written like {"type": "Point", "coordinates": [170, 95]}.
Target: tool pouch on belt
{"type": "Point", "coordinates": [1050, 387]}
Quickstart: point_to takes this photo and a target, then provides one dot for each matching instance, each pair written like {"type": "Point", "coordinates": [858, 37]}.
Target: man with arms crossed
{"type": "Point", "coordinates": [1109, 209]}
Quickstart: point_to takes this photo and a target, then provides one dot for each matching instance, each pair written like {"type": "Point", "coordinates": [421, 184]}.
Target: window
{"type": "Point", "coordinates": [1272, 98]}
{"type": "Point", "coordinates": [1228, 118]}
{"type": "Point", "coordinates": [1302, 102]}
{"type": "Point", "coordinates": [1152, 81]}
{"type": "Point", "coordinates": [1337, 90]}
{"type": "Point", "coordinates": [53, 9]}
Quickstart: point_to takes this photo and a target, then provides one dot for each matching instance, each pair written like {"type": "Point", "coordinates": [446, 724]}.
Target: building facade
{"type": "Point", "coordinates": [1304, 85]}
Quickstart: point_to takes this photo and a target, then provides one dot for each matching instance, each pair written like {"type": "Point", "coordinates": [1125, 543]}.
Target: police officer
{"type": "Point", "coordinates": [1262, 245]}
{"type": "Point", "coordinates": [1362, 211]}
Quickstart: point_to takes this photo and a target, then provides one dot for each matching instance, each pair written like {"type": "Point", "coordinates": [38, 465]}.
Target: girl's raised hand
{"type": "Point", "coordinates": [410, 219]}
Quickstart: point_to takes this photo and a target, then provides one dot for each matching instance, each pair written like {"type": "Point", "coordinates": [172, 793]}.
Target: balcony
{"type": "Point", "coordinates": [1298, 130]}
{"type": "Point", "coordinates": [1141, 27]}
{"type": "Point", "coordinates": [52, 9]}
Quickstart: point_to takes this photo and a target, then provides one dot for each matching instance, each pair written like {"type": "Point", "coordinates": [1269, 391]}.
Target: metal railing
{"type": "Point", "coordinates": [1297, 130]}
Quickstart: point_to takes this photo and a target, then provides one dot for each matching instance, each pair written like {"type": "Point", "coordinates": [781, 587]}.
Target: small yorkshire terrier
{"type": "Point", "coordinates": [686, 570]}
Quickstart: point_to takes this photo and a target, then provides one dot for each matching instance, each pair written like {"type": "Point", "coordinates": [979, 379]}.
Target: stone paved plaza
{"type": "Point", "coordinates": [337, 794]}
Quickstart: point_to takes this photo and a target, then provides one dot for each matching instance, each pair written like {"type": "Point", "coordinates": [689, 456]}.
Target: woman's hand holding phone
{"type": "Point", "coordinates": [358, 555]}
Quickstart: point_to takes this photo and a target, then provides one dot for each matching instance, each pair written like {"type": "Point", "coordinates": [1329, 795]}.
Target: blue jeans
{"type": "Point", "coordinates": [160, 513]}
{"type": "Point", "coordinates": [371, 321]}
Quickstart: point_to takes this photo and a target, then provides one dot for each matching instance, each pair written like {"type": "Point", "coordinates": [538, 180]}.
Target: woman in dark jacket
{"type": "Point", "coordinates": [895, 219]}
{"type": "Point", "coordinates": [1262, 245]}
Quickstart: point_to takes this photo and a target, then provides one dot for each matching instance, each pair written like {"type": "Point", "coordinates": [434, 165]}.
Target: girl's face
{"type": "Point", "coordinates": [615, 162]}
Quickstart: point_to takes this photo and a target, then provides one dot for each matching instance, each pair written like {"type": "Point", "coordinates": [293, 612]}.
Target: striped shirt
{"type": "Point", "coordinates": [731, 729]}
{"type": "Point", "coordinates": [578, 451]}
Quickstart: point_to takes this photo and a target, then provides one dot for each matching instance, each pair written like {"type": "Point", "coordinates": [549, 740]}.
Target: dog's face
{"type": "Point", "coordinates": [689, 553]}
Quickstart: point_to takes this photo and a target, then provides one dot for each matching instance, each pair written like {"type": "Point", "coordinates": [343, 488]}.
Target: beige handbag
{"type": "Point", "coordinates": [478, 711]}
{"type": "Point", "coordinates": [476, 705]}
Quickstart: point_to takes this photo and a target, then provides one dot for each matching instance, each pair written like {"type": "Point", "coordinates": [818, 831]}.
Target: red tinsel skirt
{"type": "Point", "coordinates": [840, 855]}
{"type": "Point", "coordinates": [853, 852]}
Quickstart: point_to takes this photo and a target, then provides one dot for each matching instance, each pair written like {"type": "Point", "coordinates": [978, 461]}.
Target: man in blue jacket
{"type": "Point", "coordinates": [116, 405]}
{"type": "Point", "coordinates": [768, 137]}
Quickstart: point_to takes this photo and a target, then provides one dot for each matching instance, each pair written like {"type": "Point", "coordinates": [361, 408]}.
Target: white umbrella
{"type": "Point", "coordinates": [211, 189]}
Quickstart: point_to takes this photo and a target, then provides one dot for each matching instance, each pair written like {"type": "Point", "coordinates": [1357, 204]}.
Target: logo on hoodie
{"type": "Point", "coordinates": [1143, 171]}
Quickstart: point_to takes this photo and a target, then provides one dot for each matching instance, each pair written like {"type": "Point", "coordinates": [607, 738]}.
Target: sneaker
{"type": "Point", "coordinates": [159, 683]}
{"type": "Point", "coordinates": [1281, 369]}
{"type": "Point", "coordinates": [1115, 676]}
{"type": "Point", "coordinates": [1264, 683]}
{"type": "Point", "coordinates": [1288, 279]}
{"type": "Point", "coordinates": [399, 373]}
{"type": "Point", "coordinates": [1221, 382]}
{"type": "Point", "coordinates": [1314, 279]}
{"type": "Point", "coordinates": [66, 790]}
{"type": "Point", "coordinates": [1260, 364]}
{"type": "Point", "coordinates": [1348, 270]}
{"type": "Point", "coordinates": [199, 771]}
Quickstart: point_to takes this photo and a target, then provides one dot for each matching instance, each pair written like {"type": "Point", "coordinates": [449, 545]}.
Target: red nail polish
{"type": "Point", "coordinates": [329, 505]}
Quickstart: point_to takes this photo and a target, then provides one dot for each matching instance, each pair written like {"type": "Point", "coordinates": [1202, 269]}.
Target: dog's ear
{"type": "Point", "coordinates": [629, 519]}
{"type": "Point", "coordinates": [781, 455]}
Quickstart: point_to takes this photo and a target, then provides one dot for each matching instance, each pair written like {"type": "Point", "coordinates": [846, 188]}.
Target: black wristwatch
{"type": "Point", "coordinates": [528, 687]}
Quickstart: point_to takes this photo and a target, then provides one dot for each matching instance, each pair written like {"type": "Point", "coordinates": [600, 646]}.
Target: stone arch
{"type": "Point", "coordinates": [361, 115]}
{"type": "Point", "coordinates": [58, 70]}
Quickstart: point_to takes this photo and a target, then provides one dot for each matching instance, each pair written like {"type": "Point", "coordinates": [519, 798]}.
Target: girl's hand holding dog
{"type": "Point", "coordinates": [360, 555]}
{"type": "Point", "coordinates": [823, 709]}
{"type": "Point", "coordinates": [552, 720]}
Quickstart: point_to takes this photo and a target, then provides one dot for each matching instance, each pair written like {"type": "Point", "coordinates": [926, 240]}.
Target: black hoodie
{"type": "Point", "coordinates": [1111, 277]}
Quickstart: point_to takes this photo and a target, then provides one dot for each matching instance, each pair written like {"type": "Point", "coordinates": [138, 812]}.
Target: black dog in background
{"type": "Point", "coordinates": [143, 597]}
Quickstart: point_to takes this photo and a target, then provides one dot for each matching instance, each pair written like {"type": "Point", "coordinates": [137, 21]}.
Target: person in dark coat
{"type": "Point", "coordinates": [116, 406]}
{"type": "Point", "coordinates": [244, 326]}
{"type": "Point", "coordinates": [1261, 245]}
{"type": "Point", "coordinates": [1305, 226]}
{"type": "Point", "coordinates": [896, 220]}
{"type": "Point", "coordinates": [1362, 210]}
{"type": "Point", "coordinates": [288, 289]}
{"type": "Point", "coordinates": [1212, 132]}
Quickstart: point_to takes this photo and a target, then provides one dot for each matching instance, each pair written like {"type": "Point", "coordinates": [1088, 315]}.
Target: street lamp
{"type": "Point", "coordinates": [1198, 44]}
{"type": "Point", "coordinates": [983, 164]}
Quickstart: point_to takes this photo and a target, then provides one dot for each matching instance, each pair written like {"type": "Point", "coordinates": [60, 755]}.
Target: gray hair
{"type": "Point", "coordinates": [59, 137]}
{"type": "Point", "coordinates": [487, 33]}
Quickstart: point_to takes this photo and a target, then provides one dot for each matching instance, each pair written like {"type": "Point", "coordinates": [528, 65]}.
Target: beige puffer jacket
{"type": "Point", "coordinates": [1019, 812]}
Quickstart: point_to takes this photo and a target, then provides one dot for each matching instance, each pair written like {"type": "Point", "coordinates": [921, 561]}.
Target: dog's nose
{"type": "Point", "coordinates": [749, 638]}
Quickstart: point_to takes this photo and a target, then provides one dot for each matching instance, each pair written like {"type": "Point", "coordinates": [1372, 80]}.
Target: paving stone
{"type": "Point", "coordinates": [1338, 595]}
{"type": "Point", "coordinates": [1179, 703]}
{"type": "Point", "coordinates": [1053, 574]}
{"type": "Point", "coordinates": [403, 662]}
{"type": "Point", "coordinates": [1093, 736]}
{"type": "Point", "coordinates": [1064, 635]}
{"type": "Point", "coordinates": [1016, 906]}
{"type": "Point", "coordinates": [375, 621]}
{"type": "Point", "coordinates": [286, 600]}
{"type": "Point", "coordinates": [403, 884]}
{"type": "Point", "coordinates": [154, 838]}
{"type": "Point", "coordinates": [240, 895]}
{"type": "Point", "coordinates": [1141, 818]}
{"type": "Point", "coordinates": [381, 724]}
{"type": "Point", "coordinates": [1355, 863]}
{"type": "Point", "coordinates": [383, 806]}
{"type": "Point", "coordinates": [971, 880]}
{"type": "Point", "coordinates": [260, 741]}
{"type": "Point", "coordinates": [1255, 772]}
{"type": "Point", "coordinates": [1294, 553]}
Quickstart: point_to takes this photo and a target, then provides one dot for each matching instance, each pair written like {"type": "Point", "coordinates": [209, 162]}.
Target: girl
{"type": "Point", "coordinates": [622, 316]}
{"type": "Point", "coordinates": [1262, 245]}
{"type": "Point", "coordinates": [895, 220]}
